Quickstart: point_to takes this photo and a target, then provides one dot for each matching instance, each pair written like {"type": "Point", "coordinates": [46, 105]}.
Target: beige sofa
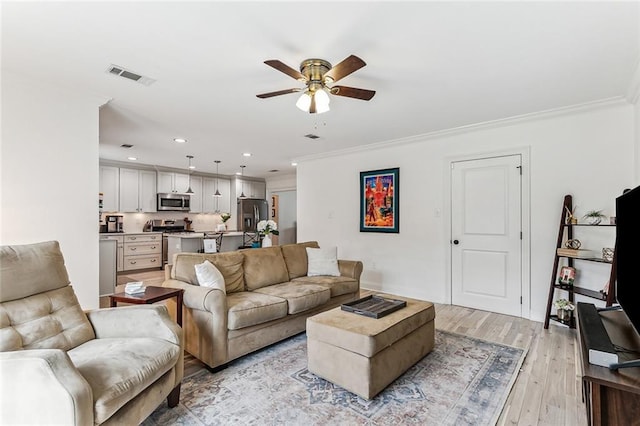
{"type": "Point", "coordinates": [60, 365]}
{"type": "Point", "coordinates": [268, 298]}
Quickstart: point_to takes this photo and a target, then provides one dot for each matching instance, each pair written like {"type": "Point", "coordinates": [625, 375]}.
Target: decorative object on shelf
{"type": "Point", "coordinates": [570, 219]}
{"type": "Point", "coordinates": [594, 217]}
{"type": "Point", "coordinates": [266, 228]}
{"type": "Point", "coordinates": [574, 244]}
{"type": "Point", "coordinates": [607, 254]}
{"type": "Point", "coordinates": [567, 275]}
{"type": "Point", "coordinates": [564, 309]}
{"type": "Point", "coordinates": [612, 220]}
{"type": "Point", "coordinates": [379, 201]}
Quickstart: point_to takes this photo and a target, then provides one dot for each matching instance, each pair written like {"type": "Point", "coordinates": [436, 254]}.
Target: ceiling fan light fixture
{"type": "Point", "coordinates": [322, 101]}
{"type": "Point", "coordinates": [304, 101]}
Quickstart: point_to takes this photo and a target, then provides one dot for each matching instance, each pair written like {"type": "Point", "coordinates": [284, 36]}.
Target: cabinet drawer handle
{"type": "Point", "coordinates": [153, 260]}
{"type": "Point", "coordinates": [133, 262]}
{"type": "Point", "coordinates": [132, 238]}
{"type": "Point", "coordinates": [153, 248]}
{"type": "Point", "coordinates": [132, 248]}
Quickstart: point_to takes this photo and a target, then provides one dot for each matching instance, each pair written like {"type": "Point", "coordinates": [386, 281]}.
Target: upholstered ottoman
{"type": "Point", "coordinates": [364, 355]}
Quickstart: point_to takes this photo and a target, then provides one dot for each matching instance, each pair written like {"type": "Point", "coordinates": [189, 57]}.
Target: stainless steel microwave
{"type": "Point", "coordinates": [174, 202]}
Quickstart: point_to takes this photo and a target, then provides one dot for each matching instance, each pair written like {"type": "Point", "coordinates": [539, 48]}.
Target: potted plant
{"type": "Point", "coordinates": [223, 226]}
{"type": "Point", "coordinates": [594, 217]}
{"type": "Point", "coordinates": [266, 228]}
{"type": "Point", "coordinates": [564, 309]}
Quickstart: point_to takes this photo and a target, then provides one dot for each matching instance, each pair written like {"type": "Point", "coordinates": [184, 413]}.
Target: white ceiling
{"type": "Point", "coordinates": [434, 66]}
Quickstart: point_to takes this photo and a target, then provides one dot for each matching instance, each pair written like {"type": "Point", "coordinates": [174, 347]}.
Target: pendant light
{"type": "Point", "coordinates": [242, 192]}
{"type": "Point", "coordinates": [189, 190]}
{"type": "Point", "coordinates": [217, 194]}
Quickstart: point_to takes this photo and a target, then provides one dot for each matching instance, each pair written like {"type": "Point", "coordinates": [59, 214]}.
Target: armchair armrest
{"type": "Point", "coordinates": [350, 268]}
{"type": "Point", "coordinates": [200, 298]}
{"type": "Point", "coordinates": [42, 386]}
{"type": "Point", "coordinates": [135, 321]}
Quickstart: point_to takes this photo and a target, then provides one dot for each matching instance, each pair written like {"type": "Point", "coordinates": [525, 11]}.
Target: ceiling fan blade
{"type": "Point", "coordinates": [353, 92]}
{"type": "Point", "coordinates": [344, 68]}
{"type": "Point", "coordinates": [278, 93]}
{"type": "Point", "coordinates": [286, 69]}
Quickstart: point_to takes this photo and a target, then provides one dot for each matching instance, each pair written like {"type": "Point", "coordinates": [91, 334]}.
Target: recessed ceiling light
{"type": "Point", "coordinates": [179, 140]}
{"type": "Point", "coordinates": [132, 158]}
{"type": "Point", "coordinates": [247, 154]}
{"type": "Point", "coordinates": [294, 164]}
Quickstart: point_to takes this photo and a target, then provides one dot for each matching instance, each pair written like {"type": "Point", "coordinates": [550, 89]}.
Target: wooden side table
{"type": "Point", "coordinates": [151, 295]}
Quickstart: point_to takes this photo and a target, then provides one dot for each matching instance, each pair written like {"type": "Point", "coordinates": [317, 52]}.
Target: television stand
{"type": "Point", "coordinates": [612, 397]}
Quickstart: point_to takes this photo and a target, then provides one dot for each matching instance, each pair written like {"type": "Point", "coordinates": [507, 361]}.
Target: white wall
{"type": "Point", "coordinates": [49, 176]}
{"type": "Point", "coordinates": [585, 153]}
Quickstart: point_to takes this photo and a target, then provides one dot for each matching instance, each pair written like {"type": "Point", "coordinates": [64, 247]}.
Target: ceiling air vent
{"type": "Point", "coordinates": [128, 74]}
{"type": "Point", "coordinates": [126, 145]}
{"type": "Point", "coordinates": [311, 136]}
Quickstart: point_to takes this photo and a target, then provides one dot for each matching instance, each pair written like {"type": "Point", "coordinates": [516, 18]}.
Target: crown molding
{"type": "Point", "coordinates": [502, 122]}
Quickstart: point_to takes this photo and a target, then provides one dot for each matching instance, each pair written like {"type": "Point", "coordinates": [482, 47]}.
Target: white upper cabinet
{"type": "Point", "coordinates": [197, 196]}
{"type": "Point", "coordinates": [137, 191]}
{"type": "Point", "coordinates": [250, 188]}
{"type": "Point", "coordinates": [109, 183]}
{"type": "Point", "coordinates": [209, 201]}
{"type": "Point", "coordinates": [169, 182]}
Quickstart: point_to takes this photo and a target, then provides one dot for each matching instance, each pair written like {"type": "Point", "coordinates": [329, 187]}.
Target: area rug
{"type": "Point", "coordinates": [463, 381]}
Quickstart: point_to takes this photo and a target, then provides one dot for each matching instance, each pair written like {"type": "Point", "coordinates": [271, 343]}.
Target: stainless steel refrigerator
{"type": "Point", "coordinates": [250, 212]}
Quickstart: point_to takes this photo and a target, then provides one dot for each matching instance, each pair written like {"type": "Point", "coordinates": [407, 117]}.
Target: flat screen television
{"type": "Point", "coordinates": [628, 255]}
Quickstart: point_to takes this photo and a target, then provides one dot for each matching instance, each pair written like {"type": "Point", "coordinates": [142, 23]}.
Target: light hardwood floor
{"type": "Point", "coordinates": [547, 391]}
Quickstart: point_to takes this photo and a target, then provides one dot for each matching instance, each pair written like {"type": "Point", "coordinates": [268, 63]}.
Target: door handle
{"type": "Point", "coordinates": [456, 242]}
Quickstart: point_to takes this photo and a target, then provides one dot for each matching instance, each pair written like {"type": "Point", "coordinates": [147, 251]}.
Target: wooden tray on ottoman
{"type": "Point", "coordinates": [374, 306]}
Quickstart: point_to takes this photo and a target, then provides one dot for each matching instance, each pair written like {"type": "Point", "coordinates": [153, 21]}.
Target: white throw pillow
{"type": "Point", "coordinates": [209, 276]}
{"type": "Point", "coordinates": [323, 261]}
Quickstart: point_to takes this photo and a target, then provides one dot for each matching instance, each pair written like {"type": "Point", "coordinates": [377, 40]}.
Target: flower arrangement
{"type": "Point", "coordinates": [267, 227]}
{"type": "Point", "coordinates": [225, 217]}
{"type": "Point", "coordinates": [564, 305]}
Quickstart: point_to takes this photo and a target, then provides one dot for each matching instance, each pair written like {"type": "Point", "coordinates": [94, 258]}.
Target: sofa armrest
{"type": "Point", "coordinates": [350, 268]}
{"type": "Point", "coordinates": [135, 321]}
{"type": "Point", "coordinates": [42, 386]}
{"type": "Point", "coordinates": [200, 298]}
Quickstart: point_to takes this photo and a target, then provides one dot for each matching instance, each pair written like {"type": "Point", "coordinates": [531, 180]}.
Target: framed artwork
{"type": "Point", "coordinates": [379, 197]}
{"type": "Point", "coordinates": [567, 275]}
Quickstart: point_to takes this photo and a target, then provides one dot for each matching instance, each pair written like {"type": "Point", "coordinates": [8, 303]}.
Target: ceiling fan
{"type": "Point", "coordinates": [318, 75]}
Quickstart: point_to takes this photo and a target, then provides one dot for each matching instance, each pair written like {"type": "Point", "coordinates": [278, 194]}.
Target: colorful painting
{"type": "Point", "coordinates": [379, 192]}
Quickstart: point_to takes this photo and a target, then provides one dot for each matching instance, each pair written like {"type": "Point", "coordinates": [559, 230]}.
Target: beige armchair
{"type": "Point", "coordinates": [60, 365]}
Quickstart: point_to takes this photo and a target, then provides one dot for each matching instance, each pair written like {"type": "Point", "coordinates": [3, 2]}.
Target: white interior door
{"type": "Point", "coordinates": [486, 234]}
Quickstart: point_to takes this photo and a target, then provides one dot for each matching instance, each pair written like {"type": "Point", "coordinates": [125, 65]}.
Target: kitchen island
{"type": "Point", "coordinates": [193, 242]}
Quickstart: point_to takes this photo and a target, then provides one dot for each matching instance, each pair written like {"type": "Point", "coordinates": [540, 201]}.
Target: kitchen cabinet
{"type": "Point", "coordinates": [107, 266]}
{"type": "Point", "coordinates": [209, 201]}
{"type": "Point", "coordinates": [137, 191]}
{"type": "Point", "coordinates": [142, 251]}
{"type": "Point", "coordinates": [119, 239]}
{"type": "Point", "coordinates": [169, 182]}
{"type": "Point", "coordinates": [109, 186]}
{"type": "Point", "coordinates": [197, 196]}
{"type": "Point", "coordinates": [251, 188]}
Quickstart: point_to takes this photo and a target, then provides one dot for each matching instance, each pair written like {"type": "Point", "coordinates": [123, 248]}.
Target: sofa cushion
{"type": "Point", "coordinates": [229, 263]}
{"type": "Point", "coordinates": [249, 308]}
{"type": "Point", "coordinates": [323, 261]}
{"type": "Point", "coordinates": [210, 276]}
{"type": "Point", "coordinates": [337, 285]}
{"type": "Point", "coordinates": [263, 267]}
{"type": "Point", "coordinates": [49, 320]}
{"type": "Point", "coordinates": [118, 369]}
{"type": "Point", "coordinates": [295, 256]}
{"type": "Point", "coordinates": [300, 297]}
